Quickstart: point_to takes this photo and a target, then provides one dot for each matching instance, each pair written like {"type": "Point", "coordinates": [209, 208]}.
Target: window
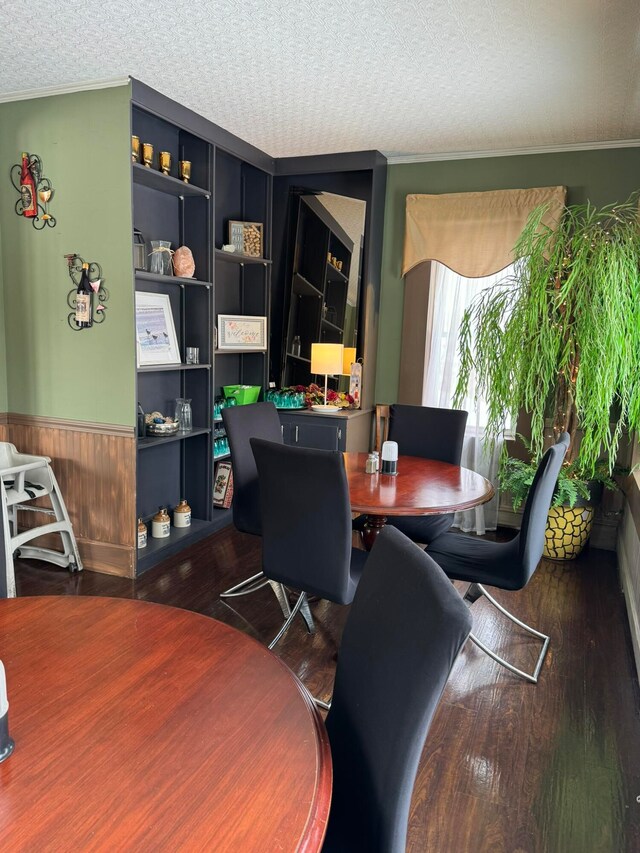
{"type": "Point", "coordinates": [451, 295]}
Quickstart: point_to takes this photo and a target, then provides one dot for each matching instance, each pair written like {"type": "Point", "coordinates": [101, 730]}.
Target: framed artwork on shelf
{"type": "Point", "coordinates": [237, 332]}
{"type": "Point", "coordinates": [223, 485]}
{"type": "Point", "coordinates": [156, 338]}
{"type": "Point", "coordinates": [246, 237]}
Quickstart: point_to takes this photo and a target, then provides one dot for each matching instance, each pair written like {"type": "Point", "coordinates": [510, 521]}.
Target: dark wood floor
{"type": "Point", "coordinates": [508, 766]}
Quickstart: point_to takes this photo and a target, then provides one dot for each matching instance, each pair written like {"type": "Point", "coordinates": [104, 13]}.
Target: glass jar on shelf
{"type": "Point", "coordinates": [184, 415]}
{"type": "Point", "coordinates": [160, 257]}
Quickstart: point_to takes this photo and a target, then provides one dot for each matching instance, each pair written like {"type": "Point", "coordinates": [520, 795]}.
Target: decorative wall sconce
{"type": "Point", "coordinates": [35, 191]}
{"type": "Point", "coordinates": [89, 294]}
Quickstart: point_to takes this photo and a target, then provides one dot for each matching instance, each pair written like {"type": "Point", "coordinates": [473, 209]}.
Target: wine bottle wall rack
{"type": "Point", "coordinates": [44, 193]}
{"type": "Point", "coordinates": [96, 281]}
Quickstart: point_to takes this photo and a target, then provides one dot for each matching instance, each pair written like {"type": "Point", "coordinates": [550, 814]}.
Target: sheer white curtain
{"type": "Point", "coordinates": [451, 294]}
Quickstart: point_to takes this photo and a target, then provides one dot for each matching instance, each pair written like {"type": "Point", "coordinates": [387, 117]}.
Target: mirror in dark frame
{"type": "Point", "coordinates": [325, 286]}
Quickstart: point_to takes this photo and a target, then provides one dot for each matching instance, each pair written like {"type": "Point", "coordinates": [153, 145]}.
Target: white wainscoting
{"type": "Point", "coordinates": [629, 563]}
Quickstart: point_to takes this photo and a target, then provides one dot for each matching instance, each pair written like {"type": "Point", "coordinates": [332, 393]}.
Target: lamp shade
{"type": "Point", "coordinates": [348, 357]}
{"type": "Point", "coordinates": [326, 358]}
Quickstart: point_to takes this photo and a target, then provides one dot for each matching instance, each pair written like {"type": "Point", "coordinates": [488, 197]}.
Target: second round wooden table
{"type": "Point", "coordinates": [421, 487]}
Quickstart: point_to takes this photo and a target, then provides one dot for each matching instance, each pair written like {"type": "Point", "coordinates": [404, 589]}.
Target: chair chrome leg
{"type": "Point", "coordinates": [510, 616]}
{"type": "Point", "coordinates": [474, 592]}
{"type": "Point", "coordinates": [288, 620]}
{"type": "Point", "coordinates": [256, 582]}
{"type": "Point", "coordinates": [305, 612]}
{"type": "Point", "coordinates": [280, 592]}
{"type": "Point", "coordinates": [252, 584]}
{"type": "Point", "coordinates": [533, 678]}
{"type": "Point", "coordinates": [325, 706]}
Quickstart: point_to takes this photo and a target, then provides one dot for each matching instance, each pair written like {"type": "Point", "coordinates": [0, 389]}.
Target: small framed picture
{"type": "Point", "coordinates": [223, 485]}
{"type": "Point", "coordinates": [238, 332]}
{"type": "Point", "coordinates": [246, 237]}
{"type": "Point", "coordinates": [156, 338]}
{"type": "Point", "coordinates": [355, 384]}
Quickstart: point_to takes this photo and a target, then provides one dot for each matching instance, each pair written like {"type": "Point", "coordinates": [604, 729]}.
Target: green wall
{"type": "Point", "coordinates": [3, 348]}
{"type": "Point", "coordinates": [601, 177]}
{"type": "Point", "coordinates": [51, 371]}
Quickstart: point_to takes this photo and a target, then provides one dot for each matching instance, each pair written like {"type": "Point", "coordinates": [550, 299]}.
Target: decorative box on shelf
{"type": "Point", "coordinates": [246, 237]}
{"type": "Point", "coordinates": [223, 485]}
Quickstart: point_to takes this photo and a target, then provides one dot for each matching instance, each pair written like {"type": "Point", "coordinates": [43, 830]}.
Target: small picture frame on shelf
{"type": "Point", "coordinates": [223, 485]}
{"type": "Point", "coordinates": [156, 338]}
{"type": "Point", "coordinates": [238, 332]}
{"type": "Point", "coordinates": [246, 237]}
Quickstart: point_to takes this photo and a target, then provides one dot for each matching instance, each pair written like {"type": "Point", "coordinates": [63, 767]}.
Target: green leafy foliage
{"type": "Point", "coordinates": [563, 332]}
{"type": "Point", "coordinates": [516, 477]}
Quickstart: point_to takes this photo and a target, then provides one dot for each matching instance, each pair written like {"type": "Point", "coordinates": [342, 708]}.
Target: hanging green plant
{"type": "Point", "coordinates": [561, 336]}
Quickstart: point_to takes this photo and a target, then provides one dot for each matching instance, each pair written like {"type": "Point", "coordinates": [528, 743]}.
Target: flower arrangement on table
{"type": "Point", "coordinates": [314, 396]}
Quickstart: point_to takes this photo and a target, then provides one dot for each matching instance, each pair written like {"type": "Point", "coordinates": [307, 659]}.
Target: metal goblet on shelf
{"type": "Point", "coordinates": [184, 167]}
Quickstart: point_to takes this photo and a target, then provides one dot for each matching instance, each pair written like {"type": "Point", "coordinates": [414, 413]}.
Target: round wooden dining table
{"type": "Point", "coordinates": [421, 487]}
{"type": "Point", "coordinates": [144, 727]}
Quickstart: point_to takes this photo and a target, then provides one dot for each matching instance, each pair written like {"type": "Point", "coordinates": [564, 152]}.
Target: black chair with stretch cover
{"type": "Point", "coordinates": [306, 524]}
{"type": "Point", "coordinates": [507, 565]}
{"type": "Point", "coordinates": [242, 423]}
{"type": "Point", "coordinates": [431, 433]}
{"type": "Point", "coordinates": [403, 634]}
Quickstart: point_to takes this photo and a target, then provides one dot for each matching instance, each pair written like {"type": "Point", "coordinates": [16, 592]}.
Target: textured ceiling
{"type": "Point", "coordinates": [314, 76]}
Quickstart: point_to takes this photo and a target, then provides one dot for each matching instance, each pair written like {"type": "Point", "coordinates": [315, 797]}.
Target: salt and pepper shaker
{"type": "Point", "coordinates": [390, 457]}
{"type": "Point", "coordinates": [6, 743]}
{"type": "Point", "coordinates": [370, 464]}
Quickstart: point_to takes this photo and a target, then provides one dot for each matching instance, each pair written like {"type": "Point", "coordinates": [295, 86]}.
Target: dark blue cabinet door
{"type": "Point", "coordinates": [320, 433]}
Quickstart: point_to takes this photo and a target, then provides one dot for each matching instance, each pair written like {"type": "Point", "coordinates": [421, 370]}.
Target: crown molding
{"type": "Point", "coordinates": [396, 159]}
{"type": "Point", "coordinates": [49, 91]}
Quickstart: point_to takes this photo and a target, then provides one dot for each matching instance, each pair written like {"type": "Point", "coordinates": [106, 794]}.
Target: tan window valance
{"type": "Point", "coordinates": [472, 233]}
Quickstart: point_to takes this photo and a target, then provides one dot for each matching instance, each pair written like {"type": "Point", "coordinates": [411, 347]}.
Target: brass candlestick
{"type": "Point", "coordinates": [135, 149]}
{"type": "Point", "coordinates": [185, 170]}
{"type": "Point", "coordinates": [164, 159]}
{"type": "Point", "coordinates": [147, 154]}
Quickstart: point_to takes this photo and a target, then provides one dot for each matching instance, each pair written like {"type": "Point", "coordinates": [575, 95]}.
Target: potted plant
{"type": "Point", "coordinates": [560, 337]}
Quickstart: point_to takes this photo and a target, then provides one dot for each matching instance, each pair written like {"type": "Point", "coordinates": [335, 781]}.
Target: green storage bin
{"type": "Point", "coordinates": [244, 394]}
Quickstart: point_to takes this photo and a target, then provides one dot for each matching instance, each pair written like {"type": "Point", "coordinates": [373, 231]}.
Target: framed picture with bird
{"type": "Point", "coordinates": [156, 338]}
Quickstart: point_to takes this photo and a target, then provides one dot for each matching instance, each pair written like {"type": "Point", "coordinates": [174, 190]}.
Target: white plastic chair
{"type": "Point", "coordinates": [24, 478]}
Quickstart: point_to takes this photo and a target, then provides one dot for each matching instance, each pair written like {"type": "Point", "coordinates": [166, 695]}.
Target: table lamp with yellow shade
{"type": "Point", "coordinates": [327, 359]}
{"type": "Point", "coordinates": [348, 358]}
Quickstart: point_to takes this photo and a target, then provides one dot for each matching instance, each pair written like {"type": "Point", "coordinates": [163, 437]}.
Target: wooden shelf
{"type": "Point", "coordinates": [153, 440]}
{"type": "Point", "coordinates": [304, 288]}
{"type": "Point", "coordinates": [299, 358]}
{"type": "Point", "coordinates": [154, 179]}
{"type": "Point", "coordinates": [218, 457]}
{"type": "Point", "coordinates": [160, 368]}
{"type": "Point", "coordinates": [142, 275]}
{"type": "Point", "coordinates": [239, 258]}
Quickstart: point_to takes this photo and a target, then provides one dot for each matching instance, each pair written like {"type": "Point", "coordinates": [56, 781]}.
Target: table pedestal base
{"type": "Point", "coordinates": [372, 526]}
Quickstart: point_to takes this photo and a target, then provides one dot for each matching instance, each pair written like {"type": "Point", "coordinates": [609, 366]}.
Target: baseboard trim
{"type": "Point", "coordinates": [107, 558]}
{"type": "Point", "coordinates": [632, 610]}
{"type": "Point", "coordinates": [69, 425]}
